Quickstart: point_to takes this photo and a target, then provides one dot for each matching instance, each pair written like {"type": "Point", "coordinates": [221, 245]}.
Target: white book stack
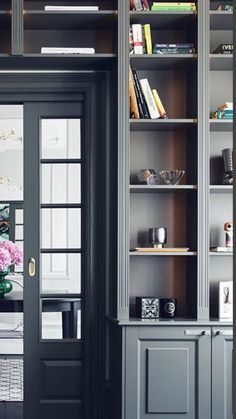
{"type": "Point", "coordinates": [68, 51]}
{"type": "Point", "coordinates": [71, 8]}
{"type": "Point", "coordinates": [138, 38]}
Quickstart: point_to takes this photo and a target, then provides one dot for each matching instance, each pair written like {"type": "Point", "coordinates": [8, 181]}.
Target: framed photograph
{"type": "Point", "coordinates": [226, 300]}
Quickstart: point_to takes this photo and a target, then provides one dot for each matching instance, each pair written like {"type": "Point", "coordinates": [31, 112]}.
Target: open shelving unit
{"type": "Point", "coordinates": [220, 137]}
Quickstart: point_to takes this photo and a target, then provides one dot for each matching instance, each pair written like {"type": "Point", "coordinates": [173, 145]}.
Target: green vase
{"type": "Point", "coordinates": [5, 284]}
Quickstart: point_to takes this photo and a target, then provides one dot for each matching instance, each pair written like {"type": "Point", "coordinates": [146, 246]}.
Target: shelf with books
{"type": "Point", "coordinates": [220, 125]}
{"type": "Point", "coordinates": [69, 20]}
{"type": "Point", "coordinates": [221, 20]}
{"type": "Point", "coordinates": [162, 62]}
{"type": "Point", "coordinates": [221, 62]}
{"type": "Point", "coordinates": [164, 20]}
{"type": "Point", "coordinates": [161, 188]}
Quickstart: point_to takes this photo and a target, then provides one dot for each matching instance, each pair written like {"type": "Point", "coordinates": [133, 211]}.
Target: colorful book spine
{"type": "Point", "coordinates": [148, 38]}
{"type": "Point", "coordinates": [134, 112]}
{"type": "Point", "coordinates": [145, 5]}
{"type": "Point", "coordinates": [138, 38]}
{"type": "Point", "coordinates": [159, 104]}
{"type": "Point", "coordinates": [138, 5]}
{"type": "Point", "coordinates": [140, 108]}
{"type": "Point", "coordinates": [131, 41]}
{"type": "Point", "coordinates": [151, 104]}
{"type": "Point", "coordinates": [141, 96]}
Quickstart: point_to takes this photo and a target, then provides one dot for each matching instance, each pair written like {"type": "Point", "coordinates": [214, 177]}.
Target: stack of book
{"type": "Point", "coordinates": [71, 8]}
{"type": "Point", "coordinates": [173, 49]}
{"type": "Point", "coordinates": [161, 6]}
{"type": "Point", "coordinates": [145, 103]}
{"type": "Point", "coordinates": [139, 5]}
{"type": "Point", "coordinates": [225, 7]}
{"type": "Point", "coordinates": [140, 39]}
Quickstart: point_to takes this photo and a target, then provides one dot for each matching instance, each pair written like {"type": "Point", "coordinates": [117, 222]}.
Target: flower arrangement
{"type": "Point", "coordinates": [10, 254]}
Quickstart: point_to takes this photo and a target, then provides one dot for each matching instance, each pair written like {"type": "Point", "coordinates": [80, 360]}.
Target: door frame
{"type": "Point", "coordinates": [94, 90]}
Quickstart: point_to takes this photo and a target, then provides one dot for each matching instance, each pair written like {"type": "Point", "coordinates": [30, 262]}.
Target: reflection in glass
{"type": "Point", "coordinates": [11, 152]}
{"type": "Point", "coordinates": [61, 273]}
{"type": "Point", "coordinates": [61, 138]}
{"type": "Point", "coordinates": [61, 183]}
{"type": "Point", "coordinates": [61, 318]}
{"type": "Point", "coordinates": [61, 228]}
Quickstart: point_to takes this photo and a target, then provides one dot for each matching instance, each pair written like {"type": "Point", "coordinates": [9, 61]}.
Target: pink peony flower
{"type": "Point", "coordinates": [5, 259]}
{"type": "Point", "coordinates": [15, 254]}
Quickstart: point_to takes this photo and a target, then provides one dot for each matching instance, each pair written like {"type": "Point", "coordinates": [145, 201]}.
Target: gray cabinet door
{"type": "Point", "coordinates": [222, 365]}
{"type": "Point", "coordinates": [168, 373]}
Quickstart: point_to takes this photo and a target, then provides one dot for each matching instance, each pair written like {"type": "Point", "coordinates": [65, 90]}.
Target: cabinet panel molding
{"type": "Point", "coordinates": [168, 377]}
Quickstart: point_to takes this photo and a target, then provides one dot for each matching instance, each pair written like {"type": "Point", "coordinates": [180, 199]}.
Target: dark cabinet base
{"type": "Point", "coordinates": [11, 410]}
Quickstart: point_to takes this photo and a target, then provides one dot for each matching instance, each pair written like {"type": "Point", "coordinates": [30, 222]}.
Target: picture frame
{"type": "Point", "coordinates": [226, 300]}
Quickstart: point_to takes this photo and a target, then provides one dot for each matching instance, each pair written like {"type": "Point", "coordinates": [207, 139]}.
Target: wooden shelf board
{"type": "Point", "coordinates": [221, 20]}
{"type": "Point", "coordinates": [162, 254]}
{"type": "Point", "coordinates": [221, 125]}
{"type": "Point", "coordinates": [161, 188]}
{"type": "Point", "coordinates": [162, 124]}
{"type": "Point", "coordinates": [221, 189]}
{"type": "Point", "coordinates": [221, 62]}
{"type": "Point", "coordinates": [221, 253]}
{"type": "Point", "coordinates": [166, 20]}
{"type": "Point", "coordinates": [58, 61]}
{"type": "Point", "coordinates": [51, 20]}
{"type": "Point", "coordinates": [162, 62]}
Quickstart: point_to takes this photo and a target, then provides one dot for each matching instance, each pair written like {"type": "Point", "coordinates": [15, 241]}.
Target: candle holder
{"type": "Point", "coordinates": [157, 237]}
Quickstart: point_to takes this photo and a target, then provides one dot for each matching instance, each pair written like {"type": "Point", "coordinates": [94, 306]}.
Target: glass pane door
{"type": "Point", "coordinates": [60, 180]}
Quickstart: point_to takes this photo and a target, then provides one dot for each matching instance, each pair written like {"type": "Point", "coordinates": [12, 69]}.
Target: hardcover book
{"type": "Point", "coordinates": [151, 104]}
{"type": "Point", "coordinates": [134, 112]}
{"type": "Point", "coordinates": [138, 38]}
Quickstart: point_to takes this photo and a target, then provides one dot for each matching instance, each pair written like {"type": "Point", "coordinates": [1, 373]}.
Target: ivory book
{"type": "Point", "coordinates": [61, 50]}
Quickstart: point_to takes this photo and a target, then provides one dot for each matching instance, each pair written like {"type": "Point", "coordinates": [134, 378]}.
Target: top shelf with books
{"type": "Point", "coordinates": [99, 4]}
{"type": "Point", "coordinates": [164, 20]}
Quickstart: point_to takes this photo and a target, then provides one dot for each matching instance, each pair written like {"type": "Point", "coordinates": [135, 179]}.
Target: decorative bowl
{"type": "Point", "coordinates": [171, 177]}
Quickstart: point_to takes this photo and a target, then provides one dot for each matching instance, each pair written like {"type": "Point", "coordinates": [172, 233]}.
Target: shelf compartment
{"type": "Point", "coordinates": [162, 62]}
{"type": "Point", "coordinates": [164, 20]}
{"type": "Point", "coordinates": [62, 62]}
{"type": "Point", "coordinates": [61, 20]}
{"type": "Point", "coordinates": [221, 189]}
{"type": "Point", "coordinates": [221, 62]}
{"type": "Point", "coordinates": [221, 20]}
{"type": "Point", "coordinates": [161, 188]}
{"type": "Point", "coordinates": [220, 125]}
{"type": "Point", "coordinates": [162, 124]}
{"type": "Point", "coordinates": [163, 254]}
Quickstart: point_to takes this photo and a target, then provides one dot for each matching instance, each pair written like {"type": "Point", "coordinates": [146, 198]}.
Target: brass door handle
{"type": "Point", "coordinates": [31, 267]}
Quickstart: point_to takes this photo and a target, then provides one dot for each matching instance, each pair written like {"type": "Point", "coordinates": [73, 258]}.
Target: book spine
{"type": "Point", "coordinates": [173, 51]}
{"type": "Point", "coordinates": [152, 107]}
{"type": "Point", "coordinates": [138, 38]}
{"type": "Point", "coordinates": [138, 5]}
{"type": "Point", "coordinates": [148, 38]}
{"type": "Point", "coordinates": [134, 112]}
{"type": "Point", "coordinates": [71, 8]}
{"type": "Point", "coordinates": [159, 104]}
{"type": "Point", "coordinates": [141, 96]}
{"type": "Point", "coordinates": [144, 41]}
{"type": "Point", "coordinates": [131, 40]}
{"type": "Point", "coordinates": [173, 4]}
{"type": "Point", "coordinates": [61, 50]}
{"type": "Point", "coordinates": [140, 108]}
{"type": "Point", "coordinates": [173, 9]}
{"type": "Point", "coordinates": [145, 5]}
{"type": "Point", "coordinates": [132, 5]}
{"type": "Point", "coordinates": [174, 45]}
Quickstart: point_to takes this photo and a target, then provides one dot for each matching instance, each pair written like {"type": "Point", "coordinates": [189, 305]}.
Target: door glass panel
{"type": "Point", "coordinates": [61, 273]}
{"type": "Point", "coordinates": [11, 303]}
{"type": "Point", "coordinates": [61, 183]}
{"type": "Point", "coordinates": [60, 228]}
{"type": "Point", "coordinates": [61, 253]}
{"type": "Point", "coordinates": [61, 138]}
